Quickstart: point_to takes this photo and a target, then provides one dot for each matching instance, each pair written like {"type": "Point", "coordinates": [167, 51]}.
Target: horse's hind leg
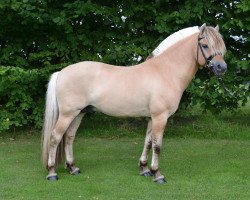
{"type": "Point", "coordinates": [144, 170]}
{"type": "Point", "coordinates": [69, 139]}
{"type": "Point", "coordinates": [62, 125]}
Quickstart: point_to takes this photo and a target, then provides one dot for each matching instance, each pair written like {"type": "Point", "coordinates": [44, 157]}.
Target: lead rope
{"type": "Point", "coordinates": [223, 86]}
{"type": "Point", "coordinates": [226, 90]}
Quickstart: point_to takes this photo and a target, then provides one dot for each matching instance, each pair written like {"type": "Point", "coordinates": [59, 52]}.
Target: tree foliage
{"type": "Point", "coordinates": [38, 37]}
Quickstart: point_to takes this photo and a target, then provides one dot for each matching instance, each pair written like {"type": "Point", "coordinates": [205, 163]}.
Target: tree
{"type": "Point", "coordinates": [40, 37]}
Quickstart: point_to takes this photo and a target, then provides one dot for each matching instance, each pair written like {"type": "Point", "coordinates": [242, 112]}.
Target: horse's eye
{"type": "Point", "coordinates": [204, 46]}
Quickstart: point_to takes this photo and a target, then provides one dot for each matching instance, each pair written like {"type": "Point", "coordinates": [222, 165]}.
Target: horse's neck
{"type": "Point", "coordinates": [178, 63]}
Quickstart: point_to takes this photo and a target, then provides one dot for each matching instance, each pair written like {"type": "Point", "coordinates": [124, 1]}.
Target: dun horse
{"type": "Point", "coordinates": [152, 89]}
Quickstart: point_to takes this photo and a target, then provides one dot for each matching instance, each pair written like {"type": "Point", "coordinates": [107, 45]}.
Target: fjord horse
{"type": "Point", "coordinates": [152, 89]}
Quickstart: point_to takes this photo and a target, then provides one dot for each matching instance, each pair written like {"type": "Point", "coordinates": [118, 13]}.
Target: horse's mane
{"type": "Point", "coordinates": [174, 38]}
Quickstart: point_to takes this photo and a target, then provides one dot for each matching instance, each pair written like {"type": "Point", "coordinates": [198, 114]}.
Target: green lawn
{"type": "Point", "coordinates": [203, 157]}
{"type": "Point", "coordinates": [195, 169]}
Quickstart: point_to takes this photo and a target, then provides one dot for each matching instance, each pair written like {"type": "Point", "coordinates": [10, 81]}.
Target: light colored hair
{"type": "Point", "coordinates": [215, 40]}
{"type": "Point", "coordinates": [173, 39]}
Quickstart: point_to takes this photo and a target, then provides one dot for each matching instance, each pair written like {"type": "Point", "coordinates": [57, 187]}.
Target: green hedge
{"type": "Point", "coordinates": [21, 97]}
{"type": "Point", "coordinates": [40, 37]}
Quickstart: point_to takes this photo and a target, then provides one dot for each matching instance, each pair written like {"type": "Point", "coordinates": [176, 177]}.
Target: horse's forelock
{"type": "Point", "coordinates": [215, 40]}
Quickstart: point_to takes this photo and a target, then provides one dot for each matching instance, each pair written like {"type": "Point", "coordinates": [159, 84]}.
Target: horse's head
{"type": "Point", "coordinates": [211, 49]}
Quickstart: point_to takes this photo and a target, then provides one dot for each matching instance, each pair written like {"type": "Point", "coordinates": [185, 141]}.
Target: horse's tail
{"type": "Point", "coordinates": [50, 119]}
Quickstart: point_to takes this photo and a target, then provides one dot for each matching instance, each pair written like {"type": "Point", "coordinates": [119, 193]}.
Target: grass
{"type": "Point", "coordinates": [203, 157]}
{"type": "Point", "coordinates": [195, 125]}
{"type": "Point", "coordinates": [195, 169]}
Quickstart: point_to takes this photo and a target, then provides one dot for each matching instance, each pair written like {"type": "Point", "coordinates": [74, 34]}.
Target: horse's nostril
{"type": "Point", "coordinates": [219, 66]}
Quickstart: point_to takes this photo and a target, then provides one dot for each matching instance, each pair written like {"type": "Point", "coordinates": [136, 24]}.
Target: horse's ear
{"type": "Point", "coordinates": [217, 28]}
{"type": "Point", "coordinates": [202, 28]}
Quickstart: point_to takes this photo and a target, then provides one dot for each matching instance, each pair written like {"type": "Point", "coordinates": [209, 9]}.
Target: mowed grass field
{"type": "Point", "coordinates": [203, 157]}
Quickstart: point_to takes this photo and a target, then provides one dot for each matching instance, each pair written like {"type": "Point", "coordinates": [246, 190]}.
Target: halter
{"type": "Point", "coordinates": [209, 66]}
{"type": "Point", "coordinates": [207, 59]}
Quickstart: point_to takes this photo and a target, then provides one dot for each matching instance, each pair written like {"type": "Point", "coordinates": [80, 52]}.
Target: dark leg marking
{"type": "Point", "coordinates": [149, 145]}
{"type": "Point", "coordinates": [73, 169]}
{"type": "Point", "coordinates": [154, 171]}
{"type": "Point", "coordinates": [157, 149]}
{"type": "Point", "coordinates": [70, 166]}
{"type": "Point", "coordinates": [143, 164]}
{"type": "Point", "coordinates": [49, 167]}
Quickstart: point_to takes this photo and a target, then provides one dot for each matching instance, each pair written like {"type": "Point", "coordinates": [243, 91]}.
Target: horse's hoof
{"type": "Point", "coordinates": [76, 172]}
{"type": "Point", "coordinates": [52, 178]}
{"type": "Point", "coordinates": [160, 181]}
{"type": "Point", "coordinates": [147, 174]}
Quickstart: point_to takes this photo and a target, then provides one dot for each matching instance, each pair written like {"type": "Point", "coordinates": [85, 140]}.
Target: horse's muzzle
{"type": "Point", "coordinates": [219, 68]}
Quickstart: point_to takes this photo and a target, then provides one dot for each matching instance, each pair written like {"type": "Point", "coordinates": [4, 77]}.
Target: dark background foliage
{"type": "Point", "coordinates": [38, 37]}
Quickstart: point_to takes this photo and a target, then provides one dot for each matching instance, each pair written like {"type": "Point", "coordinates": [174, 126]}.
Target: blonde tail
{"type": "Point", "coordinates": [50, 117]}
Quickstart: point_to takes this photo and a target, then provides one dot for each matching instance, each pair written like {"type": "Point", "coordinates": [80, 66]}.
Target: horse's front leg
{"type": "Point", "coordinates": [158, 126]}
{"type": "Point", "coordinates": [69, 139]}
{"type": "Point", "coordinates": [144, 170]}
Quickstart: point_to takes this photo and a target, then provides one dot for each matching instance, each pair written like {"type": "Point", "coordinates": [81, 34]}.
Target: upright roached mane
{"type": "Point", "coordinates": [216, 41]}
{"type": "Point", "coordinates": [152, 89]}
{"type": "Point", "coordinates": [174, 38]}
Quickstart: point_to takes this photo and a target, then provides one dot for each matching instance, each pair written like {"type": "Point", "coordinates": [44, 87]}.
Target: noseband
{"type": "Point", "coordinates": [207, 59]}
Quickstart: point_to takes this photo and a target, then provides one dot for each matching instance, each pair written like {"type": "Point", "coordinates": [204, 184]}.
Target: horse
{"type": "Point", "coordinates": [150, 89]}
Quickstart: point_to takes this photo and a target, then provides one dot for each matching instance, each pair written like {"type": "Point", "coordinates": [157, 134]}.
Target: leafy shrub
{"type": "Point", "coordinates": [21, 97]}
{"type": "Point", "coordinates": [40, 37]}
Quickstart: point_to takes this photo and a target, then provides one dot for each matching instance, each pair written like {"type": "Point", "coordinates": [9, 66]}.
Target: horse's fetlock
{"type": "Point", "coordinates": [143, 163]}
{"type": "Point", "coordinates": [70, 166]}
{"type": "Point", "coordinates": [154, 170]}
{"type": "Point", "coordinates": [50, 167]}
